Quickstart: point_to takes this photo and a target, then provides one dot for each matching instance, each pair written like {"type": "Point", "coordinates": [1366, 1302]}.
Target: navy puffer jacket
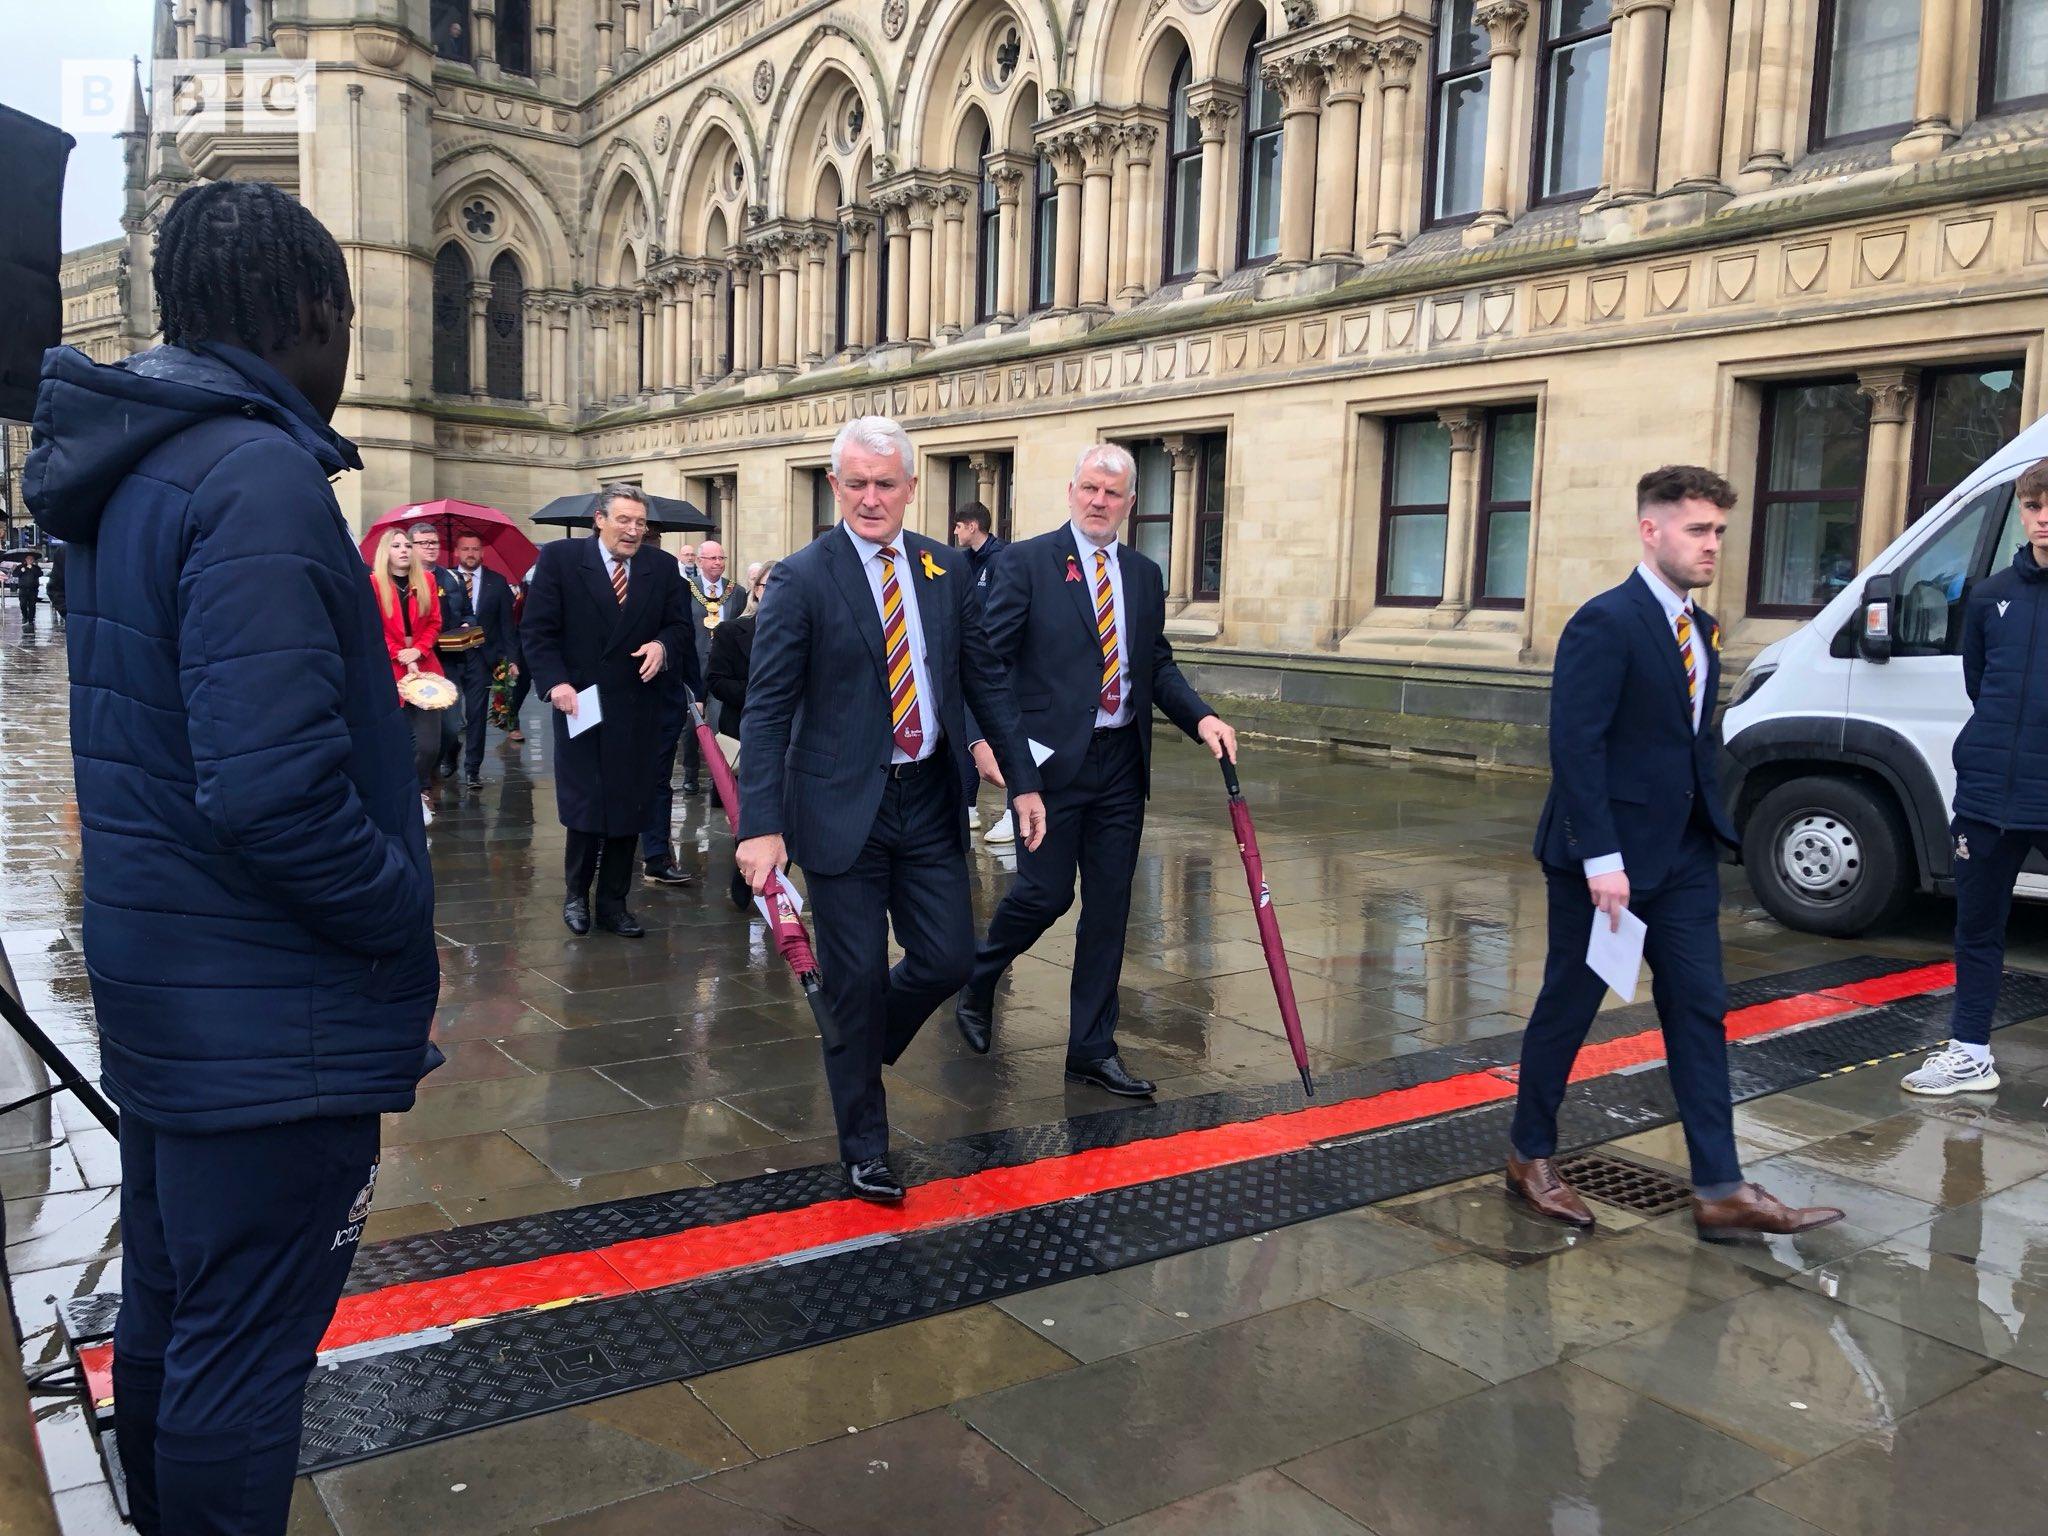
{"type": "Point", "coordinates": [258, 904]}
{"type": "Point", "coordinates": [2001, 753]}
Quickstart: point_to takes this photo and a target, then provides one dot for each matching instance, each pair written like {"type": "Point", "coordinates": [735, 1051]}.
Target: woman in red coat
{"type": "Point", "coordinates": [412, 619]}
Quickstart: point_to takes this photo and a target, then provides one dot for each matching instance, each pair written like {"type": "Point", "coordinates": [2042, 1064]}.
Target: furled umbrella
{"type": "Point", "coordinates": [665, 514]}
{"type": "Point", "coordinates": [774, 901]}
{"type": "Point", "coordinates": [1269, 925]}
{"type": "Point", "coordinates": [507, 549]}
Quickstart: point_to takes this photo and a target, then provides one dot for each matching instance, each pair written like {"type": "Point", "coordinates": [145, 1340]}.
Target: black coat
{"type": "Point", "coordinates": [1040, 613]}
{"type": "Point", "coordinates": [2001, 753]}
{"type": "Point", "coordinates": [814, 757]}
{"type": "Point", "coordinates": [732, 654]}
{"type": "Point", "coordinates": [576, 632]}
{"type": "Point", "coordinates": [493, 612]}
{"type": "Point", "coordinates": [1627, 769]}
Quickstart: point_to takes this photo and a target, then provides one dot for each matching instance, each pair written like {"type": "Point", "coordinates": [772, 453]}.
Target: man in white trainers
{"type": "Point", "coordinates": [2001, 806]}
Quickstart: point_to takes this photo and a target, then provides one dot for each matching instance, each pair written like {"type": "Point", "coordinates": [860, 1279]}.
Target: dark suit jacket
{"type": "Point", "coordinates": [815, 749]}
{"type": "Point", "coordinates": [725, 679]}
{"type": "Point", "coordinates": [1628, 772]}
{"type": "Point", "coordinates": [1043, 626]}
{"type": "Point", "coordinates": [730, 607]}
{"type": "Point", "coordinates": [576, 632]}
{"type": "Point", "coordinates": [494, 612]}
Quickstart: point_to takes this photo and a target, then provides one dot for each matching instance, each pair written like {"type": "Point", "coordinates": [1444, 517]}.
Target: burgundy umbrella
{"type": "Point", "coordinates": [1269, 925]}
{"type": "Point", "coordinates": [783, 921]}
{"type": "Point", "coordinates": [507, 549]}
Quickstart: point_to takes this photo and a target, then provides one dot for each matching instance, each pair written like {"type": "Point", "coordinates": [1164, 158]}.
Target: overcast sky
{"type": "Point", "coordinates": [41, 37]}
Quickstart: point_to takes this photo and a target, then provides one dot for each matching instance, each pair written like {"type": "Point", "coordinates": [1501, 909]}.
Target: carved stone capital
{"type": "Point", "coordinates": [1503, 20]}
{"type": "Point", "coordinates": [1396, 58]}
{"type": "Point", "coordinates": [1346, 62]}
{"type": "Point", "coordinates": [858, 227]}
{"type": "Point", "coordinates": [1213, 103]}
{"type": "Point", "coordinates": [1463, 423]}
{"type": "Point", "coordinates": [1890, 392]}
{"type": "Point", "coordinates": [1138, 139]}
{"type": "Point", "coordinates": [1299, 79]}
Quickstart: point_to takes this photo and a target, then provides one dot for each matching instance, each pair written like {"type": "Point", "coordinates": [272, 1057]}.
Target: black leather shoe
{"type": "Point", "coordinates": [576, 913]}
{"type": "Point", "coordinates": [872, 1180]}
{"type": "Point", "coordinates": [473, 781]}
{"type": "Point", "coordinates": [621, 922]}
{"type": "Point", "coordinates": [692, 787]}
{"type": "Point", "coordinates": [976, 1019]}
{"type": "Point", "coordinates": [1110, 1075]}
{"type": "Point", "coordinates": [445, 768]}
{"type": "Point", "coordinates": [665, 872]}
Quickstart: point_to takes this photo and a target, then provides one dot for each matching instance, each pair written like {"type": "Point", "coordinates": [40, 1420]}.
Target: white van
{"type": "Point", "coordinates": [1836, 757]}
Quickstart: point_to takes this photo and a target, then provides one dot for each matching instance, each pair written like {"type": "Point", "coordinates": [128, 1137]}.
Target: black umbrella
{"type": "Point", "coordinates": [665, 514]}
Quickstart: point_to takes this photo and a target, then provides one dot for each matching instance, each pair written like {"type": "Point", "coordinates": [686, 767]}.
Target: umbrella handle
{"type": "Point", "coordinates": [1230, 777]}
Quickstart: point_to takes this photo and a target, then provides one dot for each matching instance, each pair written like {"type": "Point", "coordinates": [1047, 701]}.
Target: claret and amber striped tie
{"type": "Point", "coordinates": [1692, 676]}
{"type": "Point", "coordinates": [1105, 631]}
{"type": "Point", "coordinates": [906, 721]}
{"type": "Point", "coordinates": [619, 581]}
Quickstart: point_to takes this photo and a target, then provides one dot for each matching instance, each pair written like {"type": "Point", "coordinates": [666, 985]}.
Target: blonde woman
{"type": "Point", "coordinates": [411, 610]}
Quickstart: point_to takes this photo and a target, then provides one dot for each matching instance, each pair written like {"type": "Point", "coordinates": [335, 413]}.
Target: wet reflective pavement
{"type": "Point", "coordinates": [1438, 1364]}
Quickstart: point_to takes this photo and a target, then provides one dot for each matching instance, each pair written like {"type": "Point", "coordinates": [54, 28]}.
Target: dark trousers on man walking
{"type": "Point", "coordinates": [654, 838]}
{"type": "Point", "coordinates": [466, 670]}
{"type": "Point", "coordinates": [234, 1249]}
{"type": "Point", "coordinates": [591, 856]}
{"type": "Point", "coordinates": [1988, 861]}
{"type": "Point", "coordinates": [1683, 946]}
{"type": "Point", "coordinates": [911, 873]}
{"type": "Point", "coordinates": [1093, 825]}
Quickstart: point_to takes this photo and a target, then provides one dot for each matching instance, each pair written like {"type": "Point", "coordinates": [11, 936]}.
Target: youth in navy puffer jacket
{"type": "Point", "coordinates": [2001, 753]}
{"type": "Point", "coordinates": [258, 904]}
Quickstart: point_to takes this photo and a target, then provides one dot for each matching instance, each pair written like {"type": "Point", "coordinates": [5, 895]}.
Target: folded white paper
{"type": "Point", "coordinates": [1039, 751]}
{"type": "Point", "coordinates": [588, 711]}
{"type": "Point", "coordinates": [1616, 955]}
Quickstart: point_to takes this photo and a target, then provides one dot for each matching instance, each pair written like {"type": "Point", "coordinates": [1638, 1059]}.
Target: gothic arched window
{"type": "Point", "coordinates": [1258, 213]}
{"type": "Point", "coordinates": [451, 321]}
{"type": "Point", "coordinates": [987, 241]}
{"type": "Point", "coordinates": [1183, 178]}
{"type": "Point", "coordinates": [450, 22]}
{"type": "Point", "coordinates": [515, 36]}
{"type": "Point", "coordinates": [505, 331]}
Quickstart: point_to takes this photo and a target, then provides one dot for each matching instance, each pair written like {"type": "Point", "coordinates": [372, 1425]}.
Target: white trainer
{"type": "Point", "coordinates": [1948, 1071]}
{"type": "Point", "coordinates": [1004, 831]}
{"type": "Point", "coordinates": [427, 809]}
{"type": "Point", "coordinates": [974, 817]}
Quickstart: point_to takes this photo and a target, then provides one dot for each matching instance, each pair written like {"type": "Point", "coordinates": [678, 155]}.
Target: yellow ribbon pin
{"type": "Point", "coordinates": [932, 569]}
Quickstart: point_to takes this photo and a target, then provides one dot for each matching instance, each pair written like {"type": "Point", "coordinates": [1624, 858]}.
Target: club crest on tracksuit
{"type": "Point", "coordinates": [358, 1211]}
{"type": "Point", "coordinates": [2003, 604]}
{"type": "Point", "coordinates": [1963, 846]}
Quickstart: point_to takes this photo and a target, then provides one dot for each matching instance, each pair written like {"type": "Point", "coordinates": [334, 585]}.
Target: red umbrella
{"type": "Point", "coordinates": [507, 549]}
{"type": "Point", "coordinates": [1269, 925]}
{"type": "Point", "coordinates": [790, 937]}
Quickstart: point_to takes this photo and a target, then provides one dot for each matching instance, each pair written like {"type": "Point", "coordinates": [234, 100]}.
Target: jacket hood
{"type": "Point", "coordinates": [95, 422]}
{"type": "Point", "coordinates": [2023, 561]}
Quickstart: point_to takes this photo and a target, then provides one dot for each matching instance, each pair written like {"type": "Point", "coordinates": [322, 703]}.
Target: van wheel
{"type": "Point", "coordinates": [1825, 855]}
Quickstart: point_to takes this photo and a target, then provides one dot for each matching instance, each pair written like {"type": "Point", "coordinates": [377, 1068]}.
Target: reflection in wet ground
{"type": "Point", "coordinates": [1441, 1365]}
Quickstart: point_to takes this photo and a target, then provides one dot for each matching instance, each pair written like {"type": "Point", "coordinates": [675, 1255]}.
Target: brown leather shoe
{"type": "Point", "coordinates": [1753, 1208]}
{"type": "Point", "coordinates": [1537, 1183]}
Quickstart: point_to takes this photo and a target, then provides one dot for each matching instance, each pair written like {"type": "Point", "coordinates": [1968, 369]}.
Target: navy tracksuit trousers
{"type": "Point", "coordinates": [1987, 861]}
{"type": "Point", "coordinates": [234, 1248]}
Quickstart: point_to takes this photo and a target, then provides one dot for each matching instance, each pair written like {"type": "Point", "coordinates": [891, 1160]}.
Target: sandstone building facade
{"type": "Point", "coordinates": [1393, 299]}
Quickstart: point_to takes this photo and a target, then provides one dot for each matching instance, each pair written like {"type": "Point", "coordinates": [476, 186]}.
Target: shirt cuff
{"type": "Point", "coordinates": [1606, 864]}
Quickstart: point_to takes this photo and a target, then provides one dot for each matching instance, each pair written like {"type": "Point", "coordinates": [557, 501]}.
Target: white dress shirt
{"type": "Point", "coordinates": [906, 585]}
{"type": "Point", "coordinates": [612, 564]}
{"type": "Point", "coordinates": [1087, 548]}
{"type": "Point", "coordinates": [1673, 604]}
{"type": "Point", "coordinates": [472, 583]}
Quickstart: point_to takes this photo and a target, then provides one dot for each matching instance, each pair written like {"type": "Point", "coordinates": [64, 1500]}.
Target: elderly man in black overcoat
{"type": "Point", "coordinates": [611, 612]}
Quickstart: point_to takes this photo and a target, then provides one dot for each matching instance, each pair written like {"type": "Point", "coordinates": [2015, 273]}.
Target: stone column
{"type": "Point", "coordinates": [1212, 109]}
{"type": "Point", "coordinates": [483, 35]}
{"type": "Point", "coordinates": [1141, 246]}
{"type": "Point", "coordinates": [650, 340]}
{"type": "Point", "coordinates": [607, 60]}
{"type": "Point", "coordinates": [1371, 151]}
{"type": "Point", "coordinates": [1503, 20]}
{"type": "Point", "coordinates": [771, 305]}
{"type": "Point", "coordinates": [1888, 462]}
{"type": "Point", "coordinates": [1648, 30]}
{"type": "Point", "coordinates": [705, 368]}
{"type": "Point", "coordinates": [1768, 146]}
{"type": "Point", "coordinates": [1067, 161]}
{"type": "Point", "coordinates": [1097, 143]}
{"type": "Point", "coordinates": [919, 297]}
{"type": "Point", "coordinates": [187, 22]}
{"type": "Point", "coordinates": [685, 367]}
{"type": "Point", "coordinates": [952, 262]}
{"type": "Point", "coordinates": [1345, 62]}
{"type": "Point", "coordinates": [859, 306]}
{"type": "Point", "coordinates": [597, 321]}
{"type": "Point", "coordinates": [558, 350]}
{"type": "Point", "coordinates": [1180, 574]}
{"type": "Point", "coordinates": [984, 467]}
{"type": "Point", "coordinates": [1298, 77]}
{"type": "Point", "coordinates": [544, 38]}
{"type": "Point", "coordinates": [1397, 58]}
{"type": "Point", "coordinates": [1706, 96]}
{"type": "Point", "coordinates": [479, 333]}
{"type": "Point", "coordinates": [1009, 181]}
{"type": "Point", "coordinates": [896, 223]}
{"type": "Point", "coordinates": [789, 316]}
{"type": "Point", "coordinates": [533, 355]}
{"type": "Point", "coordinates": [1934, 115]}
{"type": "Point", "coordinates": [1463, 423]}
{"type": "Point", "coordinates": [817, 288]}
{"type": "Point", "coordinates": [630, 31]}
{"type": "Point", "coordinates": [666, 377]}
{"type": "Point", "coordinates": [745, 338]}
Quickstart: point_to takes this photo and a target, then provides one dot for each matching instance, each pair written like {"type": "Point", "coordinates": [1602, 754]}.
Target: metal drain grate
{"type": "Point", "coordinates": [1630, 1186]}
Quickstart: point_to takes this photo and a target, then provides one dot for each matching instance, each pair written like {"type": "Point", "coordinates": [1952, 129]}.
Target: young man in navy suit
{"type": "Point", "coordinates": [1081, 619]}
{"type": "Point", "coordinates": [868, 652]}
{"type": "Point", "coordinates": [1633, 820]}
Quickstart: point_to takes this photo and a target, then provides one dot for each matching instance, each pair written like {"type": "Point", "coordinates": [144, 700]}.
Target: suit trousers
{"type": "Point", "coordinates": [234, 1250]}
{"type": "Point", "coordinates": [1988, 861]}
{"type": "Point", "coordinates": [1092, 827]}
{"type": "Point", "coordinates": [912, 873]}
{"type": "Point", "coordinates": [466, 670]}
{"type": "Point", "coordinates": [608, 859]}
{"type": "Point", "coordinates": [654, 837]}
{"type": "Point", "coordinates": [1683, 946]}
